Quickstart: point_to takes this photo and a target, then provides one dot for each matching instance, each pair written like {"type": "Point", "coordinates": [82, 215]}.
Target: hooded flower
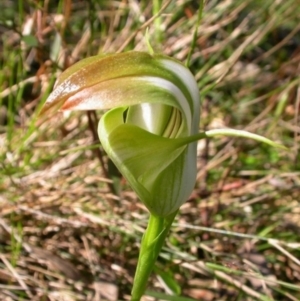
{"type": "Point", "coordinates": [154, 106]}
{"type": "Point", "coordinates": [152, 125]}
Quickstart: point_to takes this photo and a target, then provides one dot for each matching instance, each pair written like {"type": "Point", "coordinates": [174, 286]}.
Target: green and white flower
{"type": "Point", "coordinates": [150, 132]}
{"type": "Point", "coordinates": [154, 102]}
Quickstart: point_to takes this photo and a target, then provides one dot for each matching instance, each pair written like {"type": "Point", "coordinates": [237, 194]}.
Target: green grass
{"type": "Point", "coordinates": [62, 229]}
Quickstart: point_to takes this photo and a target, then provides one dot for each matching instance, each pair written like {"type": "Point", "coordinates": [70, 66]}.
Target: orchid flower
{"type": "Point", "coordinates": [150, 132]}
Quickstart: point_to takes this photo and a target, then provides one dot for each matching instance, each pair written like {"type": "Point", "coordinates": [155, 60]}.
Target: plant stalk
{"type": "Point", "coordinates": [152, 242]}
{"type": "Point", "coordinates": [157, 4]}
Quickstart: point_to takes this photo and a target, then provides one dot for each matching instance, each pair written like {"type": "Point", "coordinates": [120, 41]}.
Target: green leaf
{"type": "Point", "coordinates": [30, 40]}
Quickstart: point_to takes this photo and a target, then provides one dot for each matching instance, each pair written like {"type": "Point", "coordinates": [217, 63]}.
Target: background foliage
{"type": "Point", "coordinates": [64, 232]}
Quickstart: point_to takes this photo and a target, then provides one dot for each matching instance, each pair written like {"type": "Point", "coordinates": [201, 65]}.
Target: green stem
{"type": "Point", "coordinates": [152, 242]}
{"type": "Point", "coordinates": [157, 22]}
{"type": "Point", "coordinates": [195, 35]}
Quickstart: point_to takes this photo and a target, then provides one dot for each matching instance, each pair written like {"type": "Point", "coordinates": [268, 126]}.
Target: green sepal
{"type": "Point", "coordinates": [152, 164]}
{"type": "Point", "coordinates": [142, 157]}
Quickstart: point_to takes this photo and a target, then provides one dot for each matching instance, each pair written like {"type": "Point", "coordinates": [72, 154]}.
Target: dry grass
{"type": "Point", "coordinates": [64, 234]}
